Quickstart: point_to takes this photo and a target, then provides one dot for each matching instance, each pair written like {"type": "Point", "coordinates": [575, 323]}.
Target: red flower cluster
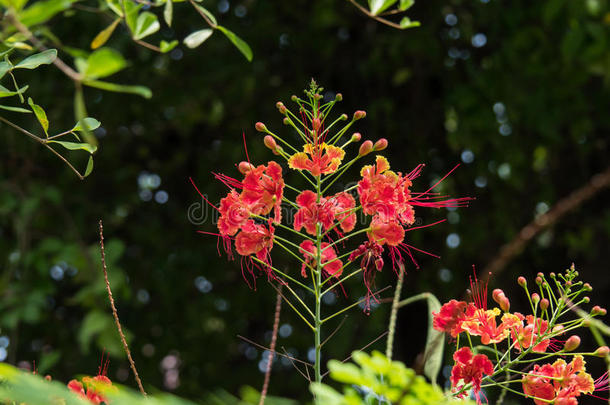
{"type": "Point", "coordinates": [318, 159]}
{"type": "Point", "coordinates": [338, 207]}
{"type": "Point", "coordinates": [558, 383]}
{"type": "Point", "coordinates": [261, 192]}
{"type": "Point", "coordinates": [90, 386]}
{"type": "Point", "coordinates": [385, 195]}
{"type": "Point", "coordinates": [469, 369]}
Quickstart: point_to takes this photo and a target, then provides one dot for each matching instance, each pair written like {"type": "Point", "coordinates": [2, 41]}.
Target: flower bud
{"type": "Point", "coordinates": [597, 310]}
{"type": "Point", "coordinates": [379, 264]}
{"type": "Point", "coordinates": [380, 144]}
{"type": "Point", "coordinates": [278, 150]}
{"type": "Point", "coordinates": [522, 281]}
{"type": "Point", "coordinates": [544, 304]}
{"type": "Point", "coordinates": [365, 148]}
{"type": "Point", "coordinates": [281, 107]}
{"type": "Point", "coordinates": [538, 280]}
{"type": "Point", "coordinates": [358, 115]}
{"type": "Point", "coordinates": [496, 294]}
{"type": "Point", "coordinates": [552, 275]}
{"type": "Point", "coordinates": [586, 300]}
{"type": "Point", "coordinates": [260, 127]}
{"type": "Point", "coordinates": [294, 98]}
{"type": "Point", "coordinates": [286, 121]}
{"type": "Point", "coordinates": [568, 284]}
{"type": "Point", "coordinates": [270, 142]}
{"type": "Point", "coordinates": [540, 274]}
{"type": "Point", "coordinates": [601, 351]}
{"type": "Point", "coordinates": [339, 97]}
{"type": "Point", "coordinates": [572, 343]}
{"type": "Point", "coordinates": [317, 96]}
{"type": "Point", "coordinates": [558, 330]}
{"type": "Point", "coordinates": [315, 124]}
{"type": "Point", "coordinates": [245, 167]}
{"type": "Point", "coordinates": [535, 298]}
{"type": "Point", "coordinates": [356, 137]}
{"type": "Point", "coordinates": [343, 117]}
{"type": "Point", "coordinates": [587, 287]}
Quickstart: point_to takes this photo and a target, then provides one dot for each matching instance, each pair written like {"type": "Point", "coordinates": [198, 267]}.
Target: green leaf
{"type": "Point", "coordinates": [194, 39]}
{"type": "Point", "coordinates": [76, 146]}
{"type": "Point", "coordinates": [101, 38]}
{"type": "Point", "coordinates": [407, 23]}
{"type": "Point", "coordinates": [347, 373]}
{"type": "Point", "coordinates": [115, 5]}
{"type": "Point", "coordinates": [168, 12]}
{"type": "Point", "coordinates": [43, 58]}
{"type": "Point", "coordinates": [41, 115]}
{"type": "Point", "coordinates": [85, 124]}
{"type": "Point", "coordinates": [243, 47]}
{"type": "Point", "coordinates": [104, 62]}
{"type": "Point", "coordinates": [207, 13]}
{"type": "Point", "coordinates": [4, 68]}
{"type": "Point", "coordinates": [379, 6]}
{"type": "Point", "coordinates": [168, 46]}
{"type": "Point", "coordinates": [80, 111]}
{"type": "Point", "coordinates": [406, 4]}
{"type": "Point", "coordinates": [119, 88]}
{"type": "Point", "coordinates": [89, 168]}
{"type": "Point", "coordinates": [42, 11]}
{"type": "Point", "coordinates": [435, 343]}
{"type": "Point", "coordinates": [147, 24]}
{"type": "Point", "coordinates": [15, 109]}
{"type": "Point", "coordinates": [131, 14]}
{"type": "Point", "coordinates": [4, 92]}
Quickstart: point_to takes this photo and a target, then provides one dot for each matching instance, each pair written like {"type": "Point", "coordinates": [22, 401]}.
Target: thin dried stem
{"type": "Point", "coordinates": [276, 324]}
{"type": "Point", "coordinates": [393, 313]}
{"type": "Point", "coordinates": [362, 348]}
{"type": "Point", "coordinates": [375, 17]}
{"type": "Point", "coordinates": [116, 315]}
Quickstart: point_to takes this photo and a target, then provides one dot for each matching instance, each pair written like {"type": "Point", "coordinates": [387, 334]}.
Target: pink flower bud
{"type": "Point", "coordinates": [544, 304]}
{"type": "Point", "coordinates": [269, 142]}
{"type": "Point", "coordinates": [343, 117]}
{"type": "Point", "coordinates": [497, 294]}
{"type": "Point", "coordinates": [356, 137]}
{"type": "Point", "coordinates": [358, 115]}
{"type": "Point", "coordinates": [597, 310]}
{"type": "Point", "coordinates": [381, 144]}
{"type": "Point", "coordinates": [499, 297]}
{"type": "Point", "coordinates": [587, 287]}
{"type": "Point", "coordinates": [602, 351]}
{"type": "Point", "coordinates": [315, 124]}
{"type": "Point", "coordinates": [552, 275]}
{"type": "Point", "coordinates": [286, 121]}
{"type": "Point", "coordinates": [538, 280]}
{"type": "Point", "coordinates": [586, 300]}
{"type": "Point", "coordinates": [540, 274]}
{"type": "Point", "coordinates": [559, 330]}
{"type": "Point", "coordinates": [281, 107]}
{"type": "Point", "coordinates": [572, 343]}
{"type": "Point", "coordinates": [339, 97]}
{"type": "Point", "coordinates": [535, 298]}
{"type": "Point", "coordinates": [365, 148]}
{"type": "Point", "coordinates": [245, 167]}
{"type": "Point", "coordinates": [522, 281]}
{"type": "Point", "coordinates": [260, 127]}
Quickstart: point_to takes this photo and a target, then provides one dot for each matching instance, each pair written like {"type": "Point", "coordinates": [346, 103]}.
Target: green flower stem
{"type": "Point", "coordinates": [340, 133]}
{"type": "Point", "coordinates": [328, 318]}
{"type": "Point", "coordinates": [299, 299]}
{"type": "Point", "coordinates": [394, 312]}
{"type": "Point", "coordinates": [353, 210]}
{"type": "Point", "coordinates": [353, 273]}
{"type": "Point", "coordinates": [333, 124]}
{"type": "Point", "coordinates": [281, 140]}
{"type": "Point", "coordinates": [418, 297]}
{"type": "Point", "coordinates": [317, 288]}
{"type": "Point", "coordinates": [279, 224]}
{"type": "Point", "coordinates": [340, 172]}
{"type": "Point", "coordinates": [281, 273]}
{"type": "Point", "coordinates": [346, 237]}
{"type": "Point", "coordinates": [301, 133]}
{"type": "Point", "coordinates": [293, 188]}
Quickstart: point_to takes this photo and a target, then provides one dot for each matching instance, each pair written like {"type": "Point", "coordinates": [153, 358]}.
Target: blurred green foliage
{"type": "Point", "coordinates": [516, 91]}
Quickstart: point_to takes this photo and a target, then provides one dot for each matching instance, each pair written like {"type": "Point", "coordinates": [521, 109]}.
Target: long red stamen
{"type": "Point", "coordinates": [478, 291]}
{"type": "Point", "coordinates": [201, 195]}
{"type": "Point", "coordinates": [243, 135]}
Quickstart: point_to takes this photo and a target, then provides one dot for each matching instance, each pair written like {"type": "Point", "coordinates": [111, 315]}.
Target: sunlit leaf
{"type": "Point", "coordinates": [42, 58]}
{"type": "Point", "coordinates": [131, 14]}
{"type": "Point", "coordinates": [119, 88]}
{"type": "Point", "coordinates": [80, 111]}
{"type": "Point", "coordinates": [4, 92]}
{"type": "Point", "coordinates": [435, 343]}
{"type": "Point", "coordinates": [4, 68]}
{"type": "Point", "coordinates": [407, 23]}
{"type": "Point", "coordinates": [41, 115]}
{"type": "Point", "coordinates": [41, 11]}
{"type": "Point", "coordinates": [104, 62]}
{"type": "Point", "coordinates": [87, 123]}
{"type": "Point", "coordinates": [406, 4]}
{"type": "Point", "coordinates": [243, 47]}
{"type": "Point", "coordinates": [147, 24]}
{"type": "Point", "coordinates": [101, 38]}
{"type": "Point", "coordinates": [76, 146]}
{"type": "Point", "coordinates": [379, 6]}
{"type": "Point", "coordinates": [168, 12]}
{"type": "Point", "coordinates": [194, 39]}
{"type": "Point", "coordinates": [168, 46]}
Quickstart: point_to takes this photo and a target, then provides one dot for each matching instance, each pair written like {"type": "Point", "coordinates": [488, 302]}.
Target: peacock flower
{"type": "Point", "coordinates": [317, 158]}
{"type": "Point", "coordinates": [483, 323]}
{"type": "Point", "coordinates": [331, 265]}
{"type": "Point", "coordinates": [386, 232]}
{"type": "Point", "coordinates": [312, 212]}
{"type": "Point", "coordinates": [91, 386]}
{"type": "Point", "coordinates": [263, 189]}
{"type": "Point", "coordinates": [470, 368]}
{"type": "Point", "coordinates": [255, 239]}
{"type": "Point", "coordinates": [451, 315]}
{"type": "Point", "coordinates": [233, 214]}
{"type": "Point", "coordinates": [558, 383]}
{"type": "Point", "coordinates": [343, 209]}
{"type": "Point", "coordinates": [527, 335]}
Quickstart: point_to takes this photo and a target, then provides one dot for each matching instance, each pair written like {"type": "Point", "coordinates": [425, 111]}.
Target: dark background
{"type": "Point", "coordinates": [515, 91]}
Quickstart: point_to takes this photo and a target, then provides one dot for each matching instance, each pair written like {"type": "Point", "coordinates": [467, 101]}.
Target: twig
{"type": "Point", "coordinates": [363, 348]}
{"type": "Point", "coordinates": [116, 315]}
{"type": "Point", "coordinates": [147, 45]}
{"type": "Point", "coordinates": [392, 325]}
{"type": "Point", "coordinates": [295, 366]}
{"type": "Point", "coordinates": [43, 142]}
{"type": "Point", "coordinates": [334, 331]}
{"type": "Point", "coordinates": [202, 14]}
{"type": "Point", "coordinates": [71, 73]}
{"type": "Point", "coordinates": [564, 206]}
{"type": "Point", "coordinates": [276, 324]}
{"type": "Point", "coordinates": [375, 17]}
